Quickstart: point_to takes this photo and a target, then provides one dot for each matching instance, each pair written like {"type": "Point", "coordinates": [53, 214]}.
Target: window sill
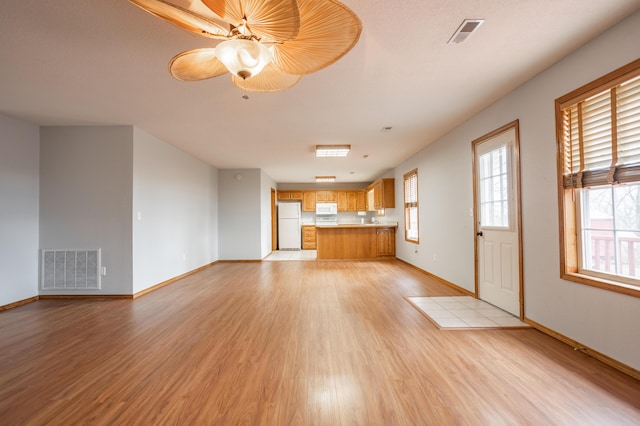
{"type": "Point", "coordinates": [617, 287]}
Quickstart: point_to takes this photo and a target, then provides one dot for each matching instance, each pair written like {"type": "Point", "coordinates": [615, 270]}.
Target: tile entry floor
{"type": "Point", "coordinates": [292, 255]}
{"type": "Point", "coordinates": [464, 312]}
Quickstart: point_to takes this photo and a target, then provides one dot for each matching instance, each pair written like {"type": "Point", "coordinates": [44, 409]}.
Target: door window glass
{"type": "Point", "coordinates": [494, 188]}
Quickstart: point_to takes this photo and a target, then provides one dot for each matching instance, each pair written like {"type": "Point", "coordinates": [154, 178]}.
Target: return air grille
{"type": "Point", "coordinates": [465, 29]}
{"type": "Point", "coordinates": [71, 269]}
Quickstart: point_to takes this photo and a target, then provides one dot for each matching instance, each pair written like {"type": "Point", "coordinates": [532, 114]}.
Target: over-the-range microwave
{"type": "Point", "coordinates": [326, 208]}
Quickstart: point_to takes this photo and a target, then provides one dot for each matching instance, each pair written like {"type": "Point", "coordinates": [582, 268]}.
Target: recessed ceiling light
{"type": "Point", "coordinates": [325, 178]}
{"type": "Point", "coordinates": [332, 150]}
{"type": "Point", "coordinates": [465, 29]}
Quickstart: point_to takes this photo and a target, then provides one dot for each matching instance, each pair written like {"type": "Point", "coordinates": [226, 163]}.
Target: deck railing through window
{"type": "Point", "coordinates": [603, 254]}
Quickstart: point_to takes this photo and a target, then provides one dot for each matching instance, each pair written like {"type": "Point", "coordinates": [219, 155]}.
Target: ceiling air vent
{"type": "Point", "coordinates": [467, 27]}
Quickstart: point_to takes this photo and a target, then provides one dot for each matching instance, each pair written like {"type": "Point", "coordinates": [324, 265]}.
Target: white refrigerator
{"type": "Point", "coordinates": [289, 226]}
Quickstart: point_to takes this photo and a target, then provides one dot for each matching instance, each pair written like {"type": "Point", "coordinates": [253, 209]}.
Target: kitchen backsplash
{"type": "Point", "coordinates": [353, 217]}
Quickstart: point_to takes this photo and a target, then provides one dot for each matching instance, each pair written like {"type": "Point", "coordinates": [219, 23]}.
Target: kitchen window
{"type": "Point", "coordinates": [598, 136]}
{"type": "Point", "coordinates": [411, 206]}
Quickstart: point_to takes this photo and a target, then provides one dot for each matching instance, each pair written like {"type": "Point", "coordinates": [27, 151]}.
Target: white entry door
{"type": "Point", "coordinates": [497, 216]}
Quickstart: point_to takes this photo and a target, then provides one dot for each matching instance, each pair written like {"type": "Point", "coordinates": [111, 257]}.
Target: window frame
{"type": "Point", "coordinates": [413, 174]}
{"type": "Point", "coordinates": [569, 209]}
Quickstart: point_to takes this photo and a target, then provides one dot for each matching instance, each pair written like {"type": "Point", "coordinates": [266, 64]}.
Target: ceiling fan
{"type": "Point", "coordinates": [268, 45]}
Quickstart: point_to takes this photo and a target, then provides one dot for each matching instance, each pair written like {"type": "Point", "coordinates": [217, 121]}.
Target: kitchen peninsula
{"type": "Point", "coordinates": [356, 241]}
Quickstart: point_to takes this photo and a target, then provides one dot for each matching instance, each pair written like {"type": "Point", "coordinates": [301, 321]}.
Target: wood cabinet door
{"type": "Point", "coordinates": [284, 195]}
{"type": "Point", "coordinates": [388, 193]}
{"type": "Point", "coordinates": [378, 195]}
{"type": "Point", "coordinates": [385, 242]}
{"type": "Point", "coordinates": [326, 196]}
{"type": "Point", "coordinates": [309, 201]}
{"type": "Point", "coordinates": [342, 201]}
{"type": "Point", "coordinates": [295, 195]}
{"type": "Point", "coordinates": [361, 201]}
{"type": "Point", "coordinates": [351, 201]}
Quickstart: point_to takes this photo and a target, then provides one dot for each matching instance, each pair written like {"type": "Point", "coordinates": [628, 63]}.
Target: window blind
{"type": "Point", "coordinates": [411, 189]}
{"type": "Point", "coordinates": [601, 137]}
{"type": "Point", "coordinates": [411, 206]}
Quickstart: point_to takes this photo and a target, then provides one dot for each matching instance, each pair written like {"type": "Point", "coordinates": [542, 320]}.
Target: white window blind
{"type": "Point", "coordinates": [601, 137]}
{"type": "Point", "coordinates": [411, 206]}
{"type": "Point", "coordinates": [411, 189]}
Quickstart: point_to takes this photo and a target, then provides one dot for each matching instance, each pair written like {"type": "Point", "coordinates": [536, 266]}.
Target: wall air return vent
{"type": "Point", "coordinates": [467, 27]}
{"type": "Point", "coordinates": [70, 269]}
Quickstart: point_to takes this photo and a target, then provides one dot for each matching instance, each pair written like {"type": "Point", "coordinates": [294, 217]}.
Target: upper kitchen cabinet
{"type": "Point", "coordinates": [342, 201]}
{"type": "Point", "coordinates": [290, 195]}
{"type": "Point", "coordinates": [361, 201]}
{"type": "Point", "coordinates": [326, 197]}
{"type": "Point", "coordinates": [381, 194]}
{"type": "Point", "coordinates": [351, 201]}
{"type": "Point", "coordinates": [309, 201]}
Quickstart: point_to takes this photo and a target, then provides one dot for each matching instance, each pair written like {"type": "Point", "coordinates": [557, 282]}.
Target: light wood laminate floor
{"type": "Point", "coordinates": [292, 343]}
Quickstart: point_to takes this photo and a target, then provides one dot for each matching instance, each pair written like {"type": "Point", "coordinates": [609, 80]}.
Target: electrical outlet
{"type": "Point", "coordinates": [435, 257]}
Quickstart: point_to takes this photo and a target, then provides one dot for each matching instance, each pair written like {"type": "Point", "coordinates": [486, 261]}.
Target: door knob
{"type": "Point", "coordinates": [479, 233]}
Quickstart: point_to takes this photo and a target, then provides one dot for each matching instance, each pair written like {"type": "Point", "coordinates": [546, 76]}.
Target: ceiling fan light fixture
{"type": "Point", "coordinates": [332, 150]}
{"type": "Point", "coordinates": [300, 37]}
{"type": "Point", "coordinates": [242, 57]}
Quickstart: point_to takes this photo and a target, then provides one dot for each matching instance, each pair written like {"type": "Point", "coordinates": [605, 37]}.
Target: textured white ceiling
{"type": "Point", "coordinates": [90, 62]}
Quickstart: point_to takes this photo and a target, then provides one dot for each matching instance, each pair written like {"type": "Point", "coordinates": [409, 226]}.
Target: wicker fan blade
{"type": "Point", "coordinates": [269, 20]}
{"type": "Point", "coordinates": [183, 18]}
{"type": "Point", "coordinates": [196, 65]}
{"type": "Point", "coordinates": [328, 30]}
{"type": "Point", "coordinates": [270, 79]}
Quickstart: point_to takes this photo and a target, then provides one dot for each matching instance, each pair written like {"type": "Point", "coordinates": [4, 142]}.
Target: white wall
{"type": "Point", "coordinates": [445, 193]}
{"type": "Point", "coordinates": [174, 212]}
{"type": "Point", "coordinates": [86, 195]}
{"type": "Point", "coordinates": [19, 188]}
{"type": "Point", "coordinates": [602, 320]}
{"type": "Point", "coordinates": [239, 209]}
{"type": "Point", "coordinates": [266, 183]}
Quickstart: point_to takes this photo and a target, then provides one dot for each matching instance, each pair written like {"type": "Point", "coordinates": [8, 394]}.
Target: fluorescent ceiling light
{"type": "Point", "coordinates": [332, 150]}
{"type": "Point", "coordinates": [325, 178]}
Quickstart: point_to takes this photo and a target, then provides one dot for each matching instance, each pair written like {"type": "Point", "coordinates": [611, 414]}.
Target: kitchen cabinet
{"type": "Point", "coordinates": [308, 237]}
{"type": "Point", "coordinates": [326, 197]}
{"type": "Point", "coordinates": [382, 193]}
{"type": "Point", "coordinates": [370, 200]}
{"type": "Point", "coordinates": [348, 201]}
{"type": "Point", "coordinates": [309, 201]}
{"type": "Point", "coordinates": [361, 201]}
{"type": "Point", "coordinates": [356, 241]}
{"type": "Point", "coordinates": [342, 201]}
{"type": "Point", "coordinates": [351, 201]}
{"type": "Point", "coordinates": [290, 195]}
{"type": "Point", "coordinates": [385, 242]}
